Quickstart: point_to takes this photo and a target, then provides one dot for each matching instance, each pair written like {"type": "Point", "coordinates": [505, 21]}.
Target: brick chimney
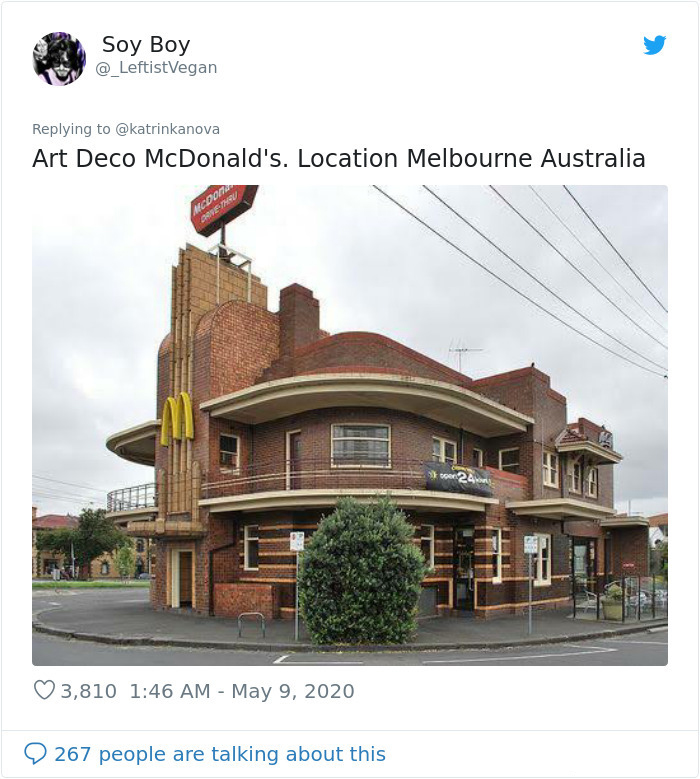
{"type": "Point", "coordinates": [33, 513]}
{"type": "Point", "coordinates": [299, 319]}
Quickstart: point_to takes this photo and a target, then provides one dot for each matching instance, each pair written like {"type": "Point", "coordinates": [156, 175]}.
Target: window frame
{"type": "Point", "coordinates": [573, 463]}
{"type": "Point", "coordinates": [442, 442]}
{"type": "Point", "coordinates": [247, 539]}
{"type": "Point", "coordinates": [537, 579]}
{"type": "Point", "coordinates": [480, 458]}
{"type": "Point", "coordinates": [334, 425]}
{"type": "Point", "coordinates": [497, 577]}
{"type": "Point", "coordinates": [595, 481]}
{"type": "Point", "coordinates": [230, 468]}
{"type": "Point", "coordinates": [548, 470]}
{"type": "Point", "coordinates": [430, 538]}
{"type": "Point", "coordinates": [501, 452]}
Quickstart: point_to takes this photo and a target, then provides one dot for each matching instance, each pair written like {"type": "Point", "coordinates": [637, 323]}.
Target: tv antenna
{"type": "Point", "coordinates": [459, 351]}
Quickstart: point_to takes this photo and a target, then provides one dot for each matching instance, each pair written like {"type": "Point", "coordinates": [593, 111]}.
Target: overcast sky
{"type": "Point", "coordinates": [101, 303]}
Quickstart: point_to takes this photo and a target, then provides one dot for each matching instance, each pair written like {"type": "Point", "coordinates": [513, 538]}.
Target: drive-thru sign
{"type": "Point", "coordinates": [219, 204]}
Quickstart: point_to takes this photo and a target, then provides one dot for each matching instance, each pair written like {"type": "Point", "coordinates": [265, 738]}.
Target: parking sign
{"type": "Point", "coordinates": [296, 542]}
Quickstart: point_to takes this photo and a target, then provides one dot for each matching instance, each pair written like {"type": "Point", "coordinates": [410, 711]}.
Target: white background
{"type": "Point", "coordinates": [506, 76]}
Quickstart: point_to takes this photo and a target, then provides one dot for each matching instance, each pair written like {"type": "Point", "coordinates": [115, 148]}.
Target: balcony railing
{"type": "Point", "coordinates": [132, 498]}
{"type": "Point", "coordinates": [310, 474]}
{"type": "Point", "coordinates": [279, 475]}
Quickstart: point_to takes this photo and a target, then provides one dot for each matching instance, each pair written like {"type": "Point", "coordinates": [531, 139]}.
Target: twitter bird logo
{"type": "Point", "coordinates": [655, 46]}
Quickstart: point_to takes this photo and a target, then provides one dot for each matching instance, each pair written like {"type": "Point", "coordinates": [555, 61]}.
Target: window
{"type": "Point", "coordinates": [550, 469]}
{"type": "Point", "coordinates": [251, 547]}
{"type": "Point", "coordinates": [140, 545]}
{"type": "Point", "coordinates": [592, 483]}
{"type": "Point", "coordinates": [496, 556]}
{"type": "Point", "coordinates": [478, 457]}
{"type": "Point", "coordinates": [509, 460]}
{"type": "Point", "coordinates": [575, 474]}
{"type": "Point", "coordinates": [427, 544]}
{"type": "Point", "coordinates": [104, 570]}
{"type": "Point", "coordinates": [366, 445]}
{"type": "Point", "coordinates": [542, 562]}
{"type": "Point", "coordinates": [444, 451]}
{"type": "Point", "coordinates": [228, 452]}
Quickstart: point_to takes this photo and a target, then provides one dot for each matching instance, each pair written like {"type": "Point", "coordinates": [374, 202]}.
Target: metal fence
{"type": "Point", "coordinates": [627, 599]}
{"type": "Point", "coordinates": [139, 497]}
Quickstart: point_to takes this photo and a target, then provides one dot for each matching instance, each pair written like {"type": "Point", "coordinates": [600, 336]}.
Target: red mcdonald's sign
{"type": "Point", "coordinates": [219, 204]}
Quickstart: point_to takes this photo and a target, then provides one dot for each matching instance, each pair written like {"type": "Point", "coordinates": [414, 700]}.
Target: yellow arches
{"type": "Point", "coordinates": [175, 412]}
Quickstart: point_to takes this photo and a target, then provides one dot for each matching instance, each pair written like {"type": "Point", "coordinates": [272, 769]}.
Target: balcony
{"type": "Point", "coordinates": [136, 444]}
{"type": "Point", "coordinates": [309, 483]}
{"type": "Point", "coordinates": [141, 500]}
{"type": "Point", "coordinates": [135, 510]}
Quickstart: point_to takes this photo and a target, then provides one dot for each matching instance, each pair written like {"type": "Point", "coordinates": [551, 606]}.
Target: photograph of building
{"type": "Point", "coordinates": [262, 419]}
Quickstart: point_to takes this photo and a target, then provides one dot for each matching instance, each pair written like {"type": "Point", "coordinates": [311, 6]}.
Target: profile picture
{"type": "Point", "coordinates": [59, 59]}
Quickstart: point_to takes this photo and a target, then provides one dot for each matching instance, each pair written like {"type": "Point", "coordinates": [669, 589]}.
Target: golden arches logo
{"type": "Point", "coordinates": [176, 415]}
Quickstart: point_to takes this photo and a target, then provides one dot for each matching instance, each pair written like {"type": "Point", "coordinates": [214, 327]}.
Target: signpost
{"type": "Point", "coordinates": [530, 548]}
{"type": "Point", "coordinates": [296, 544]}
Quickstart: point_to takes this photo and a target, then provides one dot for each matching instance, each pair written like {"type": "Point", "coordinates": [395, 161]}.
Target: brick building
{"type": "Point", "coordinates": [263, 419]}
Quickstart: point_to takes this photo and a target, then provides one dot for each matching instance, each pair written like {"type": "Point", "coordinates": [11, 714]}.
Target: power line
{"type": "Point", "coordinates": [66, 496]}
{"type": "Point", "coordinates": [538, 281]}
{"type": "Point", "coordinates": [595, 257]}
{"type": "Point", "coordinates": [637, 276]}
{"type": "Point", "coordinates": [513, 288]}
{"type": "Point", "coordinates": [577, 269]}
{"type": "Point", "coordinates": [68, 483]}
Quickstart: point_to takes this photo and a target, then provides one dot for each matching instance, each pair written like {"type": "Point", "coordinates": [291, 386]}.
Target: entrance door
{"type": "Point", "coordinates": [583, 566]}
{"type": "Point", "coordinates": [186, 579]}
{"type": "Point", "coordinates": [181, 579]}
{"type": "Point", "coordinates": [464, 568]}
{"type": "Point", "coordinates": [293, 459]}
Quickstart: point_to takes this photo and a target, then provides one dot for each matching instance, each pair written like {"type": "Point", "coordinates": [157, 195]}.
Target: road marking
{"type": "Point", "coordinates": [591, 651]}
{"type": "Point", "coordinates": [280, 661]}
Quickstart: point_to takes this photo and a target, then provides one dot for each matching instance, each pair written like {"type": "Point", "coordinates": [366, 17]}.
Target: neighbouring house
{"type": "Point", "coordinates": [103, 567]}
{"type": "Point", "coordinates": [263, 419]}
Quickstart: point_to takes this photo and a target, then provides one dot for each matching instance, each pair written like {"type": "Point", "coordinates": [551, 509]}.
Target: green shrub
{"type": "Point", "coordinates": [613, 592]}
{"type": "Point", "coordinates": [360, 576]}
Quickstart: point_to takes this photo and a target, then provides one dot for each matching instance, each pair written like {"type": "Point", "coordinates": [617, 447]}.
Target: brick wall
{"type": "Point", "coordinates": [230, 600]}
{"type": "Point", "coordinates": [360, 352]}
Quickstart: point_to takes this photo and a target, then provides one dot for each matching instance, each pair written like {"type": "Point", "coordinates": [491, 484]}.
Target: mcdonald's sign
{"type": "Point", "coordinates": [177, 420]}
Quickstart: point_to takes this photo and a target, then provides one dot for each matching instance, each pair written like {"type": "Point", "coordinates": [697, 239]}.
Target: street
{"type": "Point", "coordinates": [649, 648]}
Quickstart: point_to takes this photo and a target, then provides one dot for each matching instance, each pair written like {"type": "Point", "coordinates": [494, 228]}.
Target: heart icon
{"type": "Point", "coordinates": [44, 689]}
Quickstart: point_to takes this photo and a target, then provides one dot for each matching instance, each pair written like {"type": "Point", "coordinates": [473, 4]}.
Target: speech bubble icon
{"type": "Point", "coordinates": [35, 751]}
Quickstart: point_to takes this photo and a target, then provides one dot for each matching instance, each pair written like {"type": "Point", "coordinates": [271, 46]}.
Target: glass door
{"type": "Point", "coordinates": [583, 566]}
{"type": "Point", "coordinates": [464, 568]}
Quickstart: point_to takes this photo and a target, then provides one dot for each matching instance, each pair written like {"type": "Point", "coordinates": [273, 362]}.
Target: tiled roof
{"type": "Point", "coordinates": [54, 521]}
